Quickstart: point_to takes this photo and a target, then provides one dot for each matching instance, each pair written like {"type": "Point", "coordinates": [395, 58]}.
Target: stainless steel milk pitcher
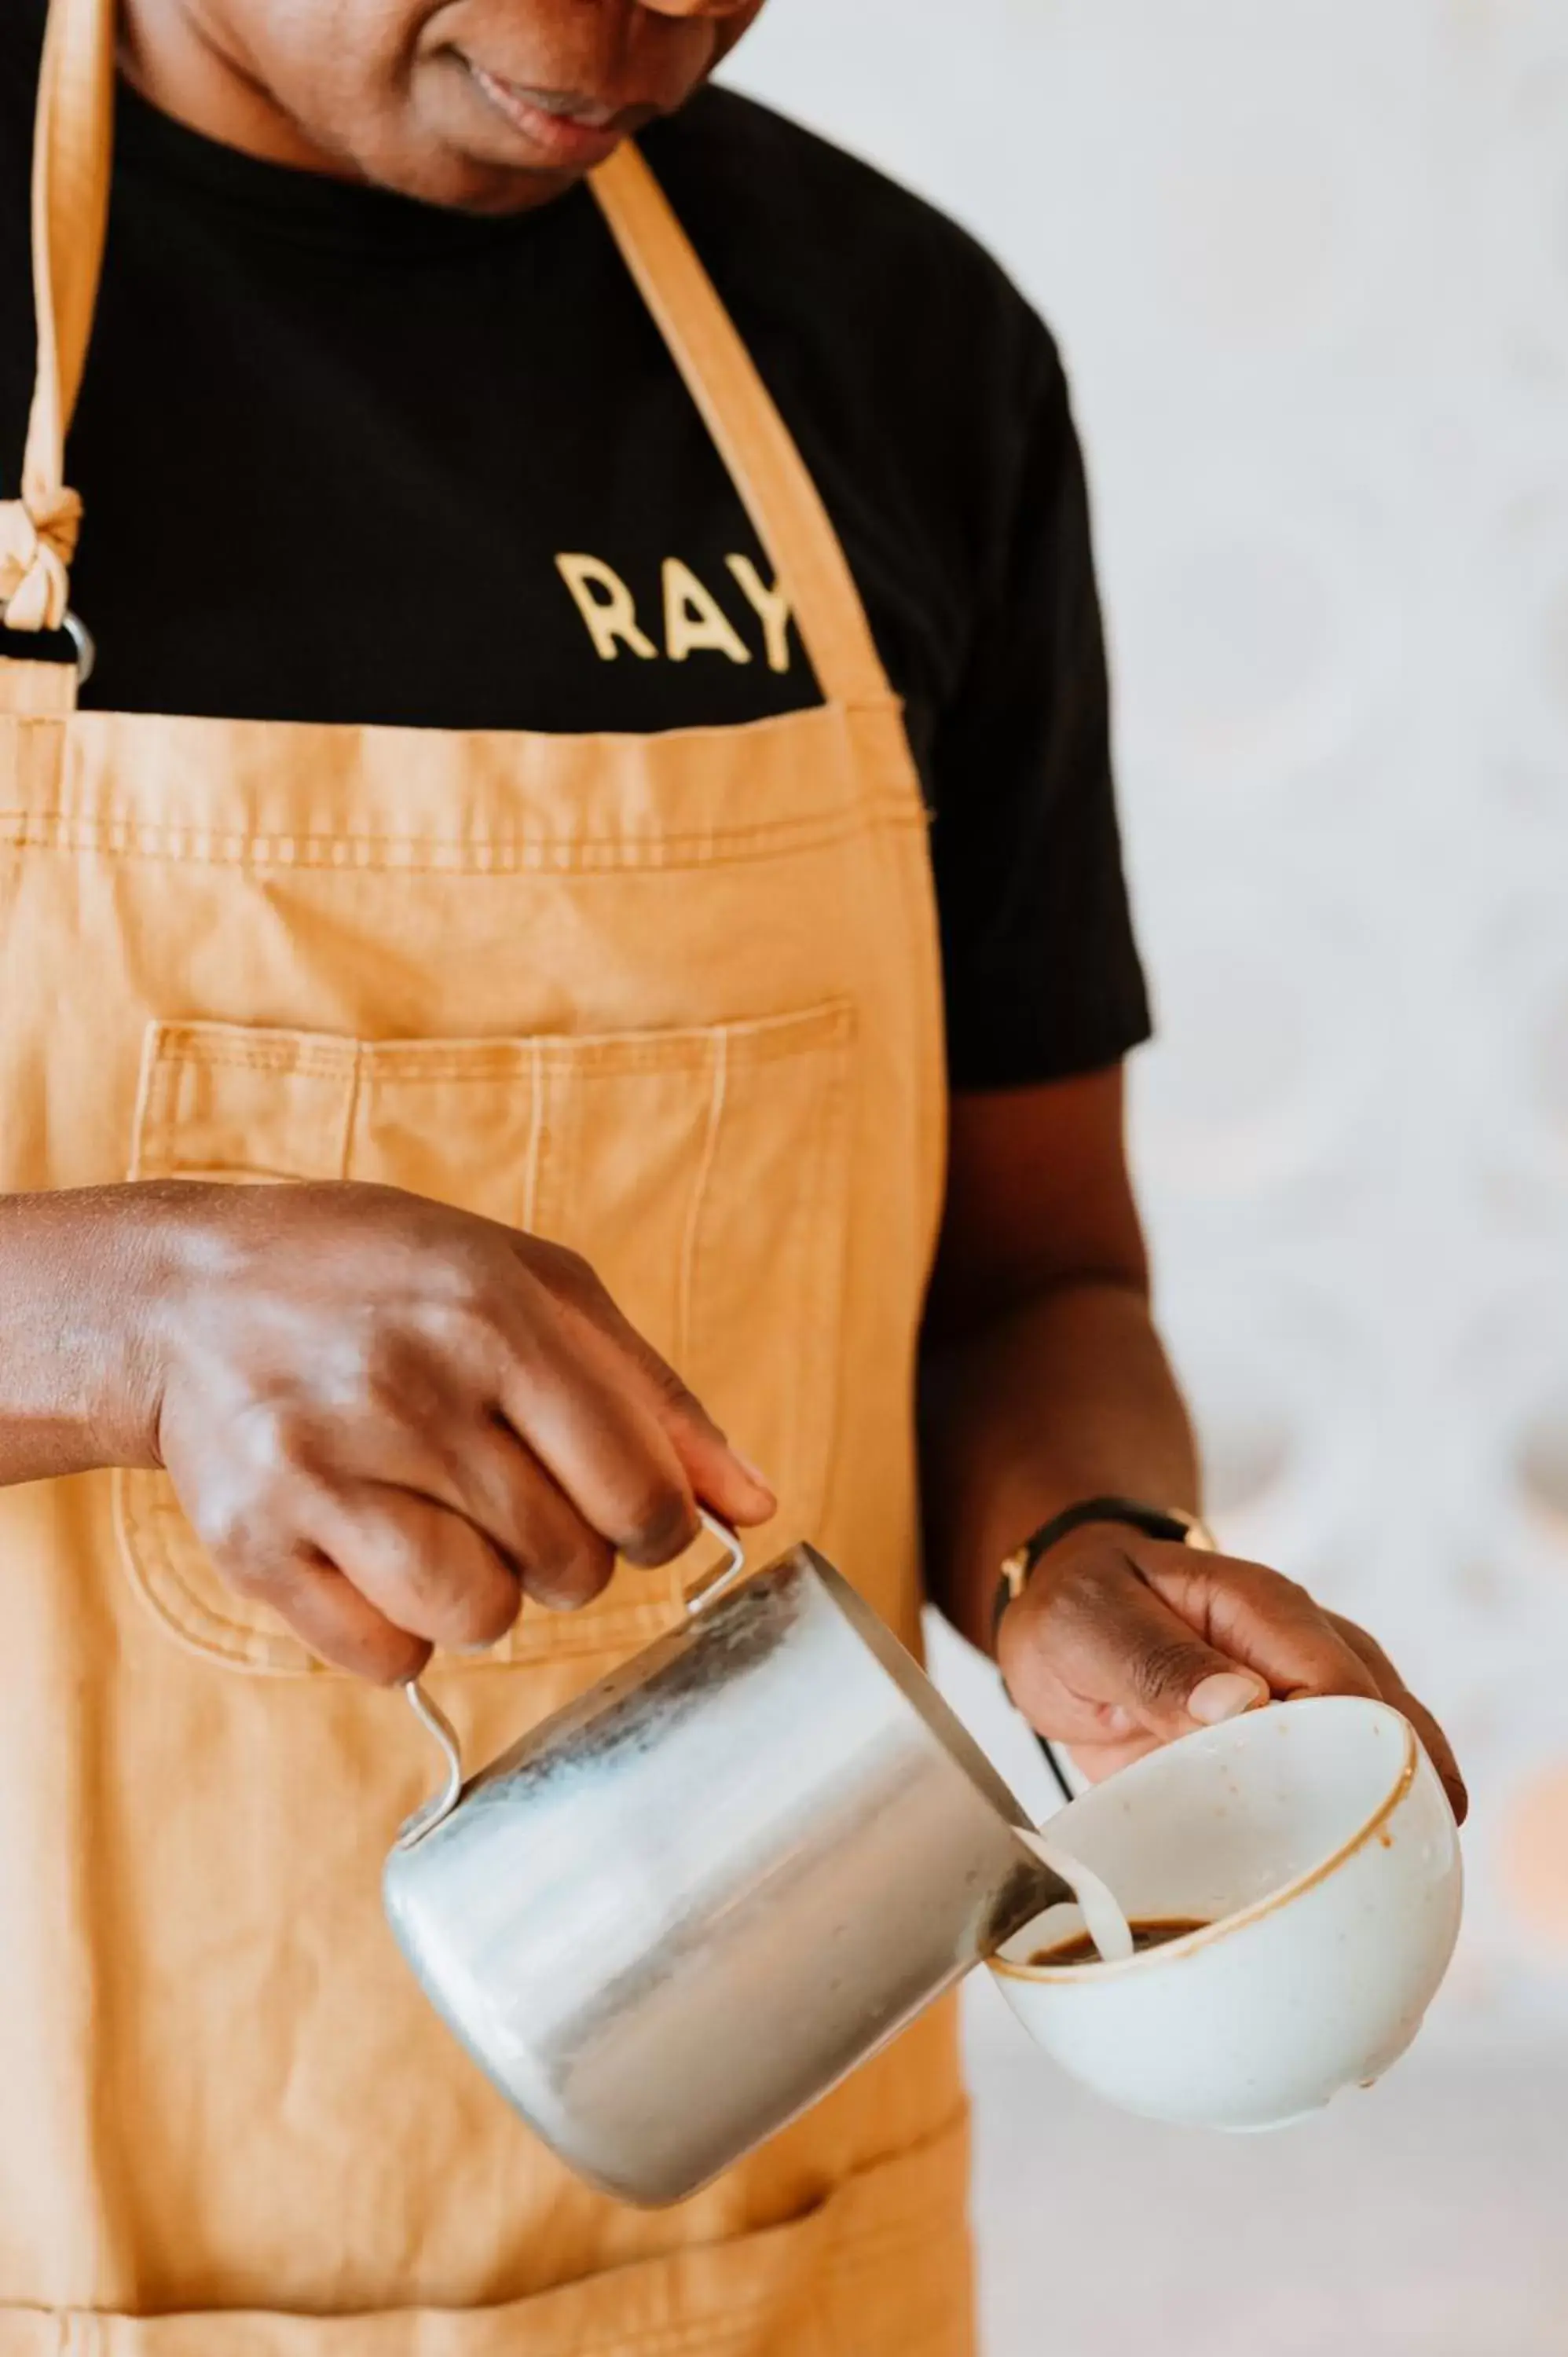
{"type": "Point", "coordinates": [680, 1910]}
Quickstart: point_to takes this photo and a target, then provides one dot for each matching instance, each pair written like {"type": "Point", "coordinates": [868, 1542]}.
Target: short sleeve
{"type": "Point", "coordinates": [1043, 977]}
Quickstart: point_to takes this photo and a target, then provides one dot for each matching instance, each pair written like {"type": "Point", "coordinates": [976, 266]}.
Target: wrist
{"type": "Point", "coordinates": [108, 1264]}
{"type": "Point", "coordinates": [1090, 1521]}
{"type": "Point", "coordinates": [152, 1246]}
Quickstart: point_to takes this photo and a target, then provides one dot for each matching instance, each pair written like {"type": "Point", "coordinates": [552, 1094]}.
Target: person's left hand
{"type": "Point", "coordinates": [1121, 1643]}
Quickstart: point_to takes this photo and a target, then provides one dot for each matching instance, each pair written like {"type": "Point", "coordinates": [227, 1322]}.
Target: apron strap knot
{"type": "Point", "coordinates": [36, 550]}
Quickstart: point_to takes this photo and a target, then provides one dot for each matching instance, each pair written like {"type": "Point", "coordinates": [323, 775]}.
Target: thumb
{"type": "Point", "coordinates": [1224, 1692]}
{"type": "Point", "coordinates": [1105, 1640]}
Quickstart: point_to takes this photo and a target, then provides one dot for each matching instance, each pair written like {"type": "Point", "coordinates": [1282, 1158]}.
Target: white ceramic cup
{"type": "Point", "coordinates": [1317, 1845]}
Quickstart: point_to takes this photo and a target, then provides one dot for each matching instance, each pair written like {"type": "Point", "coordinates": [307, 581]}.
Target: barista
{"type": "Point", "coordinates": [595, 773]}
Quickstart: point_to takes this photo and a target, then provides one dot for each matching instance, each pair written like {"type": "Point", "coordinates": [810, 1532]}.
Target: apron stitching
{"type": "Point", "coordinates": [917, 888]}
{"type": "Point", "coordinates": [709, 1154]}
{"type": "Point", "coordinates": [529, 1207]}
{"type": "Point", "coordinates": [54, 831]}
{"type": "Point", "coordinates": [686, 1279]}
{"type": "Point", "coordinates": [832, 1150]}
{"type": "Point", "coordinates": [350, 1113]}
{"type": "Point", "coordinates": [57, 714]}
{"type": "Point", "coordinates": [323, 1056]}
{"type": "Point", "coordinates": [830, 816]}
{"type": "Point", "coordinates": [154, 1559]}
{"type": "Point", "coordinates": [305, 1055]}
{"type": "Point", "coordinates": [142, 1113]}
{"type": "Point", "coordinates": [342, 853]}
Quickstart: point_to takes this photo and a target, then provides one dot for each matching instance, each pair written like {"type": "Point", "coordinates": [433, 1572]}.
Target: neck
{"type": "Point", "coordinates": [172, 57]}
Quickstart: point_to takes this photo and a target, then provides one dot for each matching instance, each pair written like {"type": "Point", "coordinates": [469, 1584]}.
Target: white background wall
{"type": "Point", "coordinates": [1309, 260]}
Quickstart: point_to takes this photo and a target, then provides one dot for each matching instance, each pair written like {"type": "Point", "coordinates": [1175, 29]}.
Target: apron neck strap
{"type": "Point", "coordinates": [752, 439]}
{"type": "Point", "coordinates": [70, 202]}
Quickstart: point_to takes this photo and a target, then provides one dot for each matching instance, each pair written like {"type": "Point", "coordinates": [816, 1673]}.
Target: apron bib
{"type": "Point", "coordinates": [674, 1000]}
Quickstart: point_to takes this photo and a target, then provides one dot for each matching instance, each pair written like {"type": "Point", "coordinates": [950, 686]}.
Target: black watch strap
{"type": "Point", "coordinates": [1155, 1521]}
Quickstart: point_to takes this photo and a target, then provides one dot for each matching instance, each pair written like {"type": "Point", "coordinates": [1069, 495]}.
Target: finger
{"type": "Point", "coordinates": [337, 1623]}
{"type": "Point", "coordinates": [562, 1562]}
{"type": "Point", "coordinates": [1098, 1635]}
{"type": "Point", "coordinates": [425, 1570]}
{"type": "Point", "coordinates": [1262, 1620]}
{"type": "Point", "coordinates": [598, 1438]}
{"type": "Point", "coordinates": [1096, 1758]}
{"type": "Point", "coordinates": [483, 1472]}
{"type": "Point", "coordinates": [585, 1413]}
{"type": "Point", "coordinates": [1435, 1744]}
{"type": "Point", "coordinates": [717, 1472]}
{"type": "Point", "coordinates": [474, 1464]}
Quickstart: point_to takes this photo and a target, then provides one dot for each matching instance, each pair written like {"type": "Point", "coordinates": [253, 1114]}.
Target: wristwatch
{"type": "Point", "coordinates": [1169, 1522]}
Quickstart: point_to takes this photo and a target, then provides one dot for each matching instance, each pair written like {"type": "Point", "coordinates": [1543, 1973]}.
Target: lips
{"type": "Point", "coordinates": [563, 129]}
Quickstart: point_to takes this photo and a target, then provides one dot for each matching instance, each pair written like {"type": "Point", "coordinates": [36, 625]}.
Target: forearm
{"type": "Point", "coordinates": [1067, 1397]}
{"type": "Point", "coordinates": [77, 1272]}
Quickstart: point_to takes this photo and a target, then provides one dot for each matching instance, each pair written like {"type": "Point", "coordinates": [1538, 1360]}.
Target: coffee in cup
{"type": "Point", "coordinates": [1154, 1932]}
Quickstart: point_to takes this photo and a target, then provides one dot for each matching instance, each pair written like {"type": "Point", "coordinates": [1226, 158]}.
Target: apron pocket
{"type": "Point", "coordinates": [879, 2268]}
{"type": "Point", "coordinates": [705, 1174]}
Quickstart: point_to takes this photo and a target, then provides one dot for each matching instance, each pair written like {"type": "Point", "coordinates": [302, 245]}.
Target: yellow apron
{"type": "Point", "coordinates": [672, 999]}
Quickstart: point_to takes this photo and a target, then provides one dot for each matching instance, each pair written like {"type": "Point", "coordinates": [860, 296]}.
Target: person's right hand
{"type": "Point", "coordinates": [391, 1421]}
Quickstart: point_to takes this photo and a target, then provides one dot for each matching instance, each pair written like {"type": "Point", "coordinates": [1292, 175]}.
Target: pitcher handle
{"type": "Point", "coordinates": [718, 1583]}
{"type": "Point", "coordinates": [434, 1719]}
{"type": "Point", "coordinates": [441, 1804]}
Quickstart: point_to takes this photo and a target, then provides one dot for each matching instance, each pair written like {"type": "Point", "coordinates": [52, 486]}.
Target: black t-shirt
{"type": "Point", "coordinates": [349, 458]}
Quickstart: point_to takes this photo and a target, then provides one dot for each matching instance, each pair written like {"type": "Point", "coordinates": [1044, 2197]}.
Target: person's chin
{"type": "Point", "coordinates": [468, 183]}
